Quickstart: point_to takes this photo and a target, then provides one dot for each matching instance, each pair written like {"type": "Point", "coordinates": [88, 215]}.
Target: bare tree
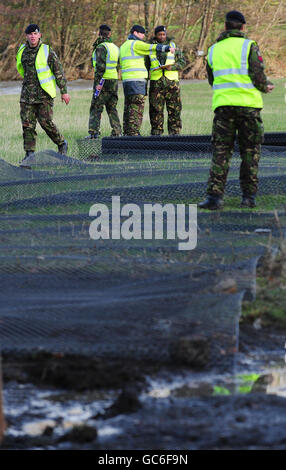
{"type": "Point", "coordinates": [70, 26]}
{"type": "Point", "coordinates": [13, 20]}
{"type": "Point", "coordinates": [157, 17]}
{"type": "Point", "coordinates": [146, 14]}
{"type": "Point", "coordinates": [197, 69]}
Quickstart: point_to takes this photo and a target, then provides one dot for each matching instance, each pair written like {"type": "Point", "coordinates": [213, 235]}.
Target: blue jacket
{"type": "Point", "coordinates": [140, 87]}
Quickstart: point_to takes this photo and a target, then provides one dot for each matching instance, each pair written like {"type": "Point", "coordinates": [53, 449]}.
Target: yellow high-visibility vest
{"type": "Point", "coordinates": [45, 75]}
{"type": "Point", "coordinates": [132, 65]}
{"type": "Point", "coordinates": [232, 85]}
{"type": "Point", "coordinates": [170, 74]}
{"type": "Point", "coordinates": [111, 60]}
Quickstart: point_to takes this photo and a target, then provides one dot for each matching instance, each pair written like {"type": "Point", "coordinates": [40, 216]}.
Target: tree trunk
{"type": "Point", "coordinates": [197, 69]}
{"type": "Point", "coordinates": [157, 13]}
{"type": "Point", "coordinates": [186, 21]}
{"type": "Point", "coordinates": [146, 15]}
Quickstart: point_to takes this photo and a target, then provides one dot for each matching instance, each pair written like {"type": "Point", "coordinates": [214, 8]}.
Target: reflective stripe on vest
{"type": "Point", "coordinates": [232, 84]}
{"type": "Point", "coordinates": [94, 58]}
{"type": "Point", "coordinates": [170, 74]}
{"type": "Point", "coordinates": [111, 60]}
{"type": "Point", "coordinates": [44, 73]}
{"type": "Point", "coordinates": [132, 66]}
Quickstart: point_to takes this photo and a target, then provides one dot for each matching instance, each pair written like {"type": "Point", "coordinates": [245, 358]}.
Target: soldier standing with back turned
{"type": "Point", "coordinates": [105, 59]}
{"type": "Point", "coordinates": [236, 72]}
{"type": "Point", "coordinates": [164, 85]}
{"type": "Point", "coordinates": [41, 70]}
{"type": "Point", "coordinates": [134, 77]}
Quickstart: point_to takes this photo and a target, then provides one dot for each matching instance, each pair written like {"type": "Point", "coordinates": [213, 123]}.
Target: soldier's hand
{"type": "Point", "coordinates": [269, 88]}
{"type": "Point", "coordinates": [66, 98]}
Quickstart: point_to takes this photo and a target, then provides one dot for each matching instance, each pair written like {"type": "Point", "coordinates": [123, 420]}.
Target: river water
{"type": "Point", "coordinates": [247, 398]}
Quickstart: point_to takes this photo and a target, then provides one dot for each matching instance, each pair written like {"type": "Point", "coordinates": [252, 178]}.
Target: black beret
{"type": "Point", "coordinates": [235, 15]}
{"type": "Point", "coordinates": [138, 29]}
{"type": "Point", "coordinates": [32, 28]}
{"type": "Point", "coordinates": [159, 29]}
{"type": "Point", "coordinates": [104, 27]}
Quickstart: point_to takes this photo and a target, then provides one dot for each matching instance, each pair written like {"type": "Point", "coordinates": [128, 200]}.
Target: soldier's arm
{"type": "Point", "coordinates": [101, 53]}
{"type": "Point", "coordinates": [143, 48]}
{"type": "Point", "coordinates": [256, 69]}
{"type": "Point", "coordinates": [58, 71]}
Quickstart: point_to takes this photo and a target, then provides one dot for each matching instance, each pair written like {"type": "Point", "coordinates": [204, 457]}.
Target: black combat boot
{"type": "Point", "coordinates": [24, 163]}
{"type": "Point", "coordinates": [212, 202]}
{"type": "Point", "coordinates": [115, 135]}
{"type": "Point", "coordinates": [248, 200]}
{"type": "Point", "coordinates": [63, 148]}
{"type": "Point", "coordinates": [92, 135]}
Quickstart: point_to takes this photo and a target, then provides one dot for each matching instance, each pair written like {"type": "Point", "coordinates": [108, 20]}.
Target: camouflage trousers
{"type": "Point", "coordinates": [108, 98]}
{"type": "Point", "coordinates": [247, 123]}
{"type": "Point", "coordinates": [165, 91]}
{"type": "Point", "coordinates": [133, 114]}
{"type": "Point", "coordinates": [43, 113]}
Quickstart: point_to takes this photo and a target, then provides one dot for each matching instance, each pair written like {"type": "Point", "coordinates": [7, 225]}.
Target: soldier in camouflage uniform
{"type": "Point", "coordinates": [35, 103]}
{"type": "Point", "coordinates": [236, 118]}
{"type": "Point", "coordinates": [134, 77]}
{"type": "Point", "coordinates": [108, 96]}
{"type": "Point", "coordinates": [133, 113]}
{"type": "Point", "coordinates": [166, 89]}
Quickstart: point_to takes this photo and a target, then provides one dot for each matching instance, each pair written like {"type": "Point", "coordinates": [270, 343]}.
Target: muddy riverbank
{"type": "Point", "coordinates": [62, 402]}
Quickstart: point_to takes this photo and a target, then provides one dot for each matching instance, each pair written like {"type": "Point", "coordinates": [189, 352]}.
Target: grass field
{"type": "Point", "coordinates": [73, 119]}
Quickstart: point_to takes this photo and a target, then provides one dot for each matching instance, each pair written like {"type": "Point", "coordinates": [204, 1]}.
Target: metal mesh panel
{"type": "Point", "coordinates": [138, 299]}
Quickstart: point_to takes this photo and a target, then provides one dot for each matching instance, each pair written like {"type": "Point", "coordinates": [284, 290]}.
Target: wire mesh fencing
{"type": "Point", "coordinates": [136, 299]}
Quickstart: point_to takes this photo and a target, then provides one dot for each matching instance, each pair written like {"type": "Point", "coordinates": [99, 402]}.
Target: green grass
{"type": "Point", "coordinates": [8, 194]}
{"type": "Point", "coordinates": [72, 120]}
{"type": "Point", "coordinates": [269, 306]}
{"type": "Point", "coordinates": [197, 117]}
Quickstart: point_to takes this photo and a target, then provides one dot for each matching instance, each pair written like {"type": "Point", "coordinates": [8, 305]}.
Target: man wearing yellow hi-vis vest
{"type": "Point", "coordinates": [164, 85]}
{"type": "Point", "coordinates": [41, 70]}
{"type": "Point", "coordinates": [236, 72]}
{"type": "Point", "coordinates": [105, 62]}
{"type": "Point", "coordinates": [134, 77]}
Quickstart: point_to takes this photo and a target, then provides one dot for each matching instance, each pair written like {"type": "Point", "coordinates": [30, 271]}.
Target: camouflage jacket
{"type": "Point", "coordinates": [101, 54]}
{"type": "Point", "coordinates": [32, 91]}
{"type": "Point", "coordinates": [255, 62]}
{"type": "Point", "coordinates": [180, 61]}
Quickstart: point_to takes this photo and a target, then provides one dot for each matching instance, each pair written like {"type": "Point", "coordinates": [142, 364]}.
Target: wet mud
{"type": "Point", "coordinates": [121, 412]}
{"type": "Point", "coordinates": [72, 372]}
